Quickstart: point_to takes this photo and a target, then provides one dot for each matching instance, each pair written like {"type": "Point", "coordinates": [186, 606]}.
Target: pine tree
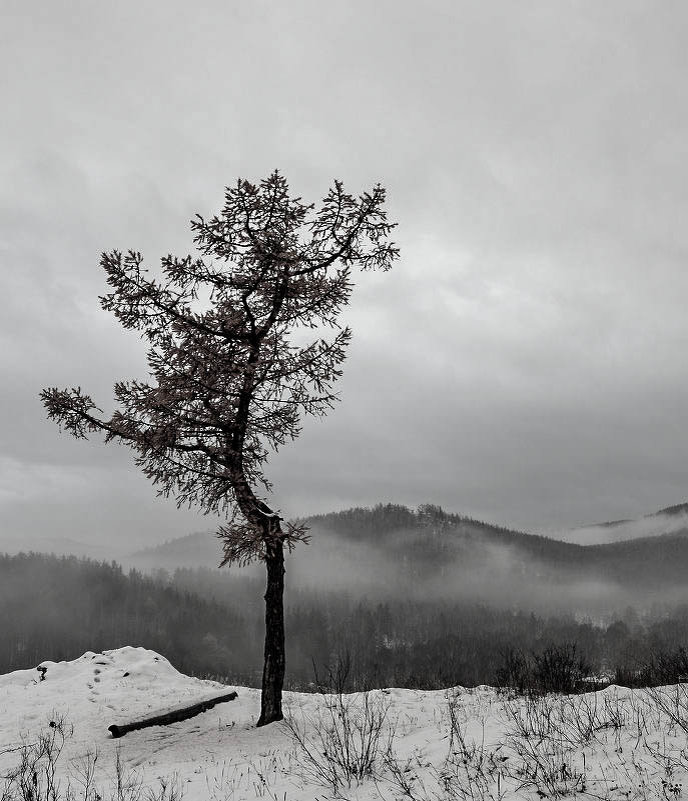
{"type": "Point", "coordinates": [229, 380]}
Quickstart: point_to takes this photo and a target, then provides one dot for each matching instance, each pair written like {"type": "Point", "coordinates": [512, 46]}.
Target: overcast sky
{"type": "Point", "coordinates": [525, 362]}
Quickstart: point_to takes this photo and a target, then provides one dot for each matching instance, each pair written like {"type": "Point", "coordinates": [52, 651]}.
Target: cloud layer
{"type": "Point", "coordinates": [524, 363]}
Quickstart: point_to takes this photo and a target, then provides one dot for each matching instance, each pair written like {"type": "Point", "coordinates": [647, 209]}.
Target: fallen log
{"type": "Point", "coordinates": [173, 716]}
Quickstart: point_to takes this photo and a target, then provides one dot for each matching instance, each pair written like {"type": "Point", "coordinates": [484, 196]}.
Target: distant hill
{"type": "Point", "coordinates": [670, 520]}
{"type": "Point", "coordinates": [428, 552]}
{"type": "Point", "coordinates": [376, 552]}
{"type": "Point", "coordinates": [61, 546]}
{"type": "Point", "coordinates": [437, 539]}
{"type": "Point", "coordinates": [679, 509]}
{"type": "Point", "coordinates": [200, 549]}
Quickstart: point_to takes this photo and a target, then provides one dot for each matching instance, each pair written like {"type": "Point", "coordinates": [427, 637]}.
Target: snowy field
{"type": "Point", "coordinates": [388, 744]}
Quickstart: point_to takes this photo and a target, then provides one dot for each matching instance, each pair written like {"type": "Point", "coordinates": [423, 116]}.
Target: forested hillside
{"type": "Point", "coordinates": [432, 553]}
{"type": "Point", "coordinates": [453, 555]}
{"type": "Point", "coordinates": [58, 607]}
{"type": "Point", "coordinates": [209, 623]}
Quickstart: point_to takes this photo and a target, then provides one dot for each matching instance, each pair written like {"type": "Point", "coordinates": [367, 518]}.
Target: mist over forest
{"type": "Point", "coordinates": [421, 599]}
{"type": "Point", "coordinates": [393, 553]}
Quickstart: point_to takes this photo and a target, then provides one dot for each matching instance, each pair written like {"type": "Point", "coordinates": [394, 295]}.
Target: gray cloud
{"type": "Point", "coordinates": [523, 363]}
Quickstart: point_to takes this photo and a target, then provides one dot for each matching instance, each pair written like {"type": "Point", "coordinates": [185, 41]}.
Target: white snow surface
{"type": "Point", "coordinates": [613, 744]}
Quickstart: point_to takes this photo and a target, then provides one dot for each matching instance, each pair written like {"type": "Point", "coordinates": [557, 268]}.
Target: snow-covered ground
{"type": "Point", "coordinates": [459, 744]}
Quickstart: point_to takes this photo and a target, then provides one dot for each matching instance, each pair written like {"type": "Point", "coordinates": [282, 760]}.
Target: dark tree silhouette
{"type": "Point", "coordinates": [228, 378]}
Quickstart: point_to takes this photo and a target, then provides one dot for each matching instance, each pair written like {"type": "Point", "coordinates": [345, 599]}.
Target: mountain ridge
{"type": "Point", "coordinates": [388, 542]}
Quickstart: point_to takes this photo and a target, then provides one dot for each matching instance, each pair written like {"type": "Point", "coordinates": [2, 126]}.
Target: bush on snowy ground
{"type": "Point", "coordinates": [37, 775]}
{"type": "Point", "coordinates": [554, 669]}
{"type": "Point", "coordinates": [345, 741]}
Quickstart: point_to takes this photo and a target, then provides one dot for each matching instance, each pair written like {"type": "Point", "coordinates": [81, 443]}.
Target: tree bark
{"type": "Point", "coordinates": [274, 662]}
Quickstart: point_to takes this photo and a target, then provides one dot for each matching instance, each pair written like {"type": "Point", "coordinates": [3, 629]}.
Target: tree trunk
{"type": "Point", "coordinates": [173, 716]}
{"type": "Point", "coordinates": [273, 665]}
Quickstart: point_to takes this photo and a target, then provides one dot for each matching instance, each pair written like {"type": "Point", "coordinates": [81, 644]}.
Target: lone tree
{"type": "Point", "coordinates": [229, 377]}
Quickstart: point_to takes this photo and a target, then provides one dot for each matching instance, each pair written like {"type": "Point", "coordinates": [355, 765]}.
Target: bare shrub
{"type": "Point", "coordinates": [672, 703]}
{"type": "Point", "coordinates": [549, 768]}
{"type": "Point", "coordinates": [533, 717]}
{"type": "Point", "coordinates": [583, 718]}
{"type": "Point", "coordinates": [36, 776]}
{"type": "Point", "coordinates": [666, 667]}
{"type": "Point", "coordinates": [555, 669]}
{"type": "Point", "coordinates": [168, 789]}
{"type": "Point", "coordinates": [559, 669]}
{"type": "Point", "coordinates": [514, 671]}
{"type": "Point", "coordinates": [471, 771]}
{"type": "Point", "coordinates": [405, 776]}
{"type": "Point", "coordinates": [343, 742]}
{"type": "Point", "coordinates": [84, 772]}
{"type": "Point", "coordinates": [571, 721]}
{"type": "Point", "coordinates": [128, 784]}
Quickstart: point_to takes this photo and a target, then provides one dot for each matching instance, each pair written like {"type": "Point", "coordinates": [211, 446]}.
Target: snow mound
{"type": "Point", "coordinates": [97, 690]}
{"type": "Point", "coordinates": [116, 687]}
{"type": "Point", "coordinates": [108, 668]}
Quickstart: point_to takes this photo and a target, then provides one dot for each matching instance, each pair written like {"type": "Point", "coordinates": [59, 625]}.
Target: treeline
{"type": "Point", "coordinates": [59, 607]}
{"type": "Point", "coordinates": [209, 623]}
